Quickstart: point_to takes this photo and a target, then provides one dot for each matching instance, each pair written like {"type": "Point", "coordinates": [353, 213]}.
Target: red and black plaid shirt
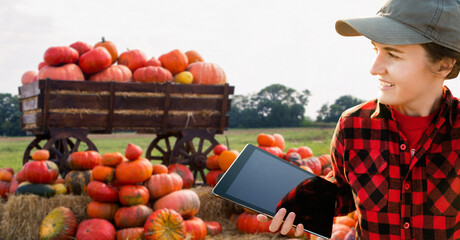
{"type": "Point", "coordinates": [399, 196]}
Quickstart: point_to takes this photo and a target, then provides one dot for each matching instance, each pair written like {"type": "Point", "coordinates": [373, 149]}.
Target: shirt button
{"type": "Point", "coordinates": [403, 147]}
{"type": "Point", "coordinates": [406, 186]}
{"type": "Point", "coordinates": [406, 225]}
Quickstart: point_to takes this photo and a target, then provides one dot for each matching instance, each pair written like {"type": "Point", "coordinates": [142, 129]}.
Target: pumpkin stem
{"type": "Point", "coordinates": [228, 145]}
{"type": "Point", "coordinates": [103, 39]}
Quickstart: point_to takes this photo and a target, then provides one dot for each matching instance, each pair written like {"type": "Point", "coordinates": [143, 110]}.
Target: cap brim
{"type": "Point", "coordinates": [380, 29]}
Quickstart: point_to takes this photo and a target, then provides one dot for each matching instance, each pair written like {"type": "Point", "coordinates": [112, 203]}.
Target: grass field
{"type": "Point", "coordinates": [318, 139]}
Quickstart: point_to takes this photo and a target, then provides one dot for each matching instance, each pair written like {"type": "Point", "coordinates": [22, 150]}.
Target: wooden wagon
{"type": "Point", "coordinates": [183, 117]}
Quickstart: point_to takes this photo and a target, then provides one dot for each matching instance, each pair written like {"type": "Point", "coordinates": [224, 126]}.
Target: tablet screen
{"type": "Point", "coordinates": [264, 183]}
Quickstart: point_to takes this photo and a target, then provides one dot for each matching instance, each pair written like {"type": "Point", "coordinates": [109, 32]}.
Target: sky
{"type": "Point", "coordinates": [256, 42]}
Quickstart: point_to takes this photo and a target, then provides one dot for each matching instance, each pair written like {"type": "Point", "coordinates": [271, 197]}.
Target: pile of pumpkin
{"type": "Point", "coordinates": [100, 63]}
{"type": "Point", "coordinates": [131, 197]}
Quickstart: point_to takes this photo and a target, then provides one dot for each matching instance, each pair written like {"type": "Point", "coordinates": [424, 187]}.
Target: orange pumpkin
{"type": "Point", "coordinates": [165, 224]}
{"type": "Point", "coordinates": [102, 210]}
{"type": "Point", "coordinates": [112, 159]}
{"type": "Point", "coordinates": [132, 216]}
{"type": "Point", "coordinates": [162, 184]}
{"type": "Point", "coordinates": [213, 228]}
{"type": "Point", "coordinates": [130, 195]}
{"type": "Point", "coordinates": [305, 152]}
{"type": "Point", "coordinates": [133, 151]}
{"type": "Point", "coordinates": [159, 168]}
{"type": "Point", "coordinates": [70, 71]}
{"type": "Point", "coordinates": [193, 56]}
{"type": "Point", "coordinates": [266, 140]}
{"type": "Point", "coordinates": [153, 62]}
{"type": "Point", "coordinates": [41, 155]}
{"type": "Point", "coordinates": [226, 158]}
{"type": "Point", "coordinates": [133, 172]}
{"type": "Point", "coordinates": [207, 73]}
{"type": "Point", "coordinates": [5, 175]}
{"type": "Point", "coordinates": [103, 173]}
{"type": "Point", "coordinates": [175, 61]}
{"type": "Point", "coordinates": [279, 141]}
{"type": "Point", "coordinates": [152, 74]}
{"type": "Point", "coordinates": [111, 48]}
{"type": "Point", "coordinates": [115, 73]}
{"type": "Point", "coordinates": [185, 202]}
{"type": "Point", "coordinates": [56, 56]}
{"type": "Point", "coordinates": [196, 228]}
{"type": "Point", "coordinates": [133, 59]}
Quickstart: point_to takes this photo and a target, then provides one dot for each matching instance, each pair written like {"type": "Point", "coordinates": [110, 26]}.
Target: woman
{"type": "Point", "coordinates": [396, 159]}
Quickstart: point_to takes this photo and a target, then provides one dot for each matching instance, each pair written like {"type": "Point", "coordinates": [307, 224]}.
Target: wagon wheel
{"type": "Point", "coordinates": [161, 147]}
{"type": "Point", "coordinates": [192, 150]}
{"type": "Point", "coordinates": [63, 144]}
{"type": "Point", "coordinates": [37, 144]}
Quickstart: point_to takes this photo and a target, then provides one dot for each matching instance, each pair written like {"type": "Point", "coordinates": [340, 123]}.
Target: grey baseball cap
{"type": "Point", "coordinates": [403, 22]}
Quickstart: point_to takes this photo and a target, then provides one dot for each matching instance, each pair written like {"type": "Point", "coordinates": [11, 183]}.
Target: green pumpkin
{"type": "Point", "coordinates": [77, 181]}
{"type": "Point", "coordinates": [40, 189]}
{"type": "Point", "coordinates": [60, 223]}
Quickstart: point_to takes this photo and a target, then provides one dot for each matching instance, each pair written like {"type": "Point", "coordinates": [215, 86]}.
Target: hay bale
{"type": "Point", "coordinates": [213, 208]}
{"type": "Point", "coordinates": [23, 214]}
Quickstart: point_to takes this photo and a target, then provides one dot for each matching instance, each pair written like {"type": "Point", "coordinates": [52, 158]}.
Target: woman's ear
{"type": "Point", "coordinates": [445, 66]}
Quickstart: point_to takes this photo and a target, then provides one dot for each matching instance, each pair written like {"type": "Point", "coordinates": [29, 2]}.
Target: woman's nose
{"type": "Point", "coordinates": [378, 66]}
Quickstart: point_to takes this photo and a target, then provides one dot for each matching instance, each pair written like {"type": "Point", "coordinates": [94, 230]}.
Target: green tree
{"type": "Point", "coordinates": [331, 113]}
{"type": "Point", "coordinates": [10, 116]}
{"type": "Point", "coordinates": [273, 106]}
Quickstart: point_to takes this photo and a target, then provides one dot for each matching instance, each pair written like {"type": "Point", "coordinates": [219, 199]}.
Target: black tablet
{"type": "Point", "coordinates": [263, 182]}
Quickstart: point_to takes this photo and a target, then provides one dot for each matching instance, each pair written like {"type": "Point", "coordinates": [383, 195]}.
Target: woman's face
{"type": "Point", "coordinates": [406, 78]}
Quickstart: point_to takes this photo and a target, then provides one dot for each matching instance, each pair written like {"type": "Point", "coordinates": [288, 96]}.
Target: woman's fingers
{"type": "Point", "coordinates": [288, 222]}
{"type": "Point", "coordinates": [299, 230]}
{"type": "Point", "coordinates": [262, 218]}
{"type": "Point", "coordinates": [277, 220]}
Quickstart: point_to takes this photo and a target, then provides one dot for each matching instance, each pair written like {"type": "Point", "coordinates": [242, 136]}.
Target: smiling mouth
{"type": "Point", "coordinates": [386, 84]}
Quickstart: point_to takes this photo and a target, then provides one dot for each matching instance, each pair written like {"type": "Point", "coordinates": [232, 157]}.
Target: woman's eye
{"type": "Point", "coordinates": [392, 55]}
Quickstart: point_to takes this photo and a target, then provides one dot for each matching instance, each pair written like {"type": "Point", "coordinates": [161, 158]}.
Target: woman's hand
{"type": "Point", "coordinates": [277, 222]}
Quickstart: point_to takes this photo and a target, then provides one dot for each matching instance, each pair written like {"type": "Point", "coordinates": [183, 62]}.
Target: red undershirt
{"type": "Point", "coordinates": [413, 127]}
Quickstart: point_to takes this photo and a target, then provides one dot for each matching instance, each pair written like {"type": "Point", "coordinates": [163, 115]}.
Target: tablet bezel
{"type": "Point", "coordinates": [220, 190]}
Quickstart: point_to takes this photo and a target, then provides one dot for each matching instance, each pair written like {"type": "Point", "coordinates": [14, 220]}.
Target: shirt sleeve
{"type": "Point", "coordinates": [345, 202]}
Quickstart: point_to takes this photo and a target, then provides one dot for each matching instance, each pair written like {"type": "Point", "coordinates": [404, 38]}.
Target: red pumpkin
{"type": "Point", "coordinates": [133, 216]}
{"type": "Point", "coordinates": [20, 176]}
{"type": "Point", "coordinates": [70, 71]}
{"type": "Point", "coordinates": [207, 73]}
{"type": "Point", "coordinates": [279, 141]}
{"type": "Point", "coordinates": [29, 76]}
{"type": "Point", "coordinates": [133, 59]}
{"type": "Point", "coordinates": [41, 65]}
{"type": "Point", "coordinates": [211, 177]}
{"type": "Point", "coordinates": [305, 152]}
{"type": "Point", "coordinates": [77, 181]}
{"type": "Point", "coordinates": [95, 60]}
{"type": "Point", "coordinates": [248, 223]}
{"type": "Point", "coordinates": [219, 148]}
{"type": "Point", "coordinates": [196, 228]}
{"type": "Point", "coordinates": [193, 56]}
{"type": "Point", "coordinates": [165, 224]}
{"type": "Point", "coordinates": [112, 159]}
{"type": "Point", "coordinates": [56, 56]}
{"type": "Point", "coordinates": [130, 234]}
{"type": "Point", "coordinates": [175, 61]}
{"type": "Point", "coordinates": [184, 172]}
{"type": "Point", "coordinates": [185, 202]}
{"type": "Point", "coordinates": [162, 184]}
{"type": "Point", "coordinates": [133, 172]}
{"type": "Point", "coordinates": [114, 73]}
{"type": "Point", "coordinates": [133, 151]}
{"type": "Point", "coordinates": [84, 160]}
{"type": "Point", "coordinates": [153, 62]}
{"type": "Point", "coordinates": [102, 192]}
{"type": "Point", "coordinates": [4, 189]}
{"type": "Point", "coordinates": [130, 195]}
{"type": "Point", "coordinates": [314, 164]}
{"type": "Point", "coordinates": [95, 229]}
{"type": "Point", "coordinates": [213, 228]}
{"type": "Point", "coordinates": [152, 74]}
{"type": "Point", "coordinates": [81, 47]}
{"type": "Point", "coordinates": [41, 171]}
{"type": "Point", "coordinates": [212, 162]}
{"type": "Point", "coordinates": [103, 173]}
{"type": "Point", "coordinates": [111, 48]}
{"type": "Point", "coordinates": [14, 184]}
{"type": "Point", "coordinates": [102, 210]}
